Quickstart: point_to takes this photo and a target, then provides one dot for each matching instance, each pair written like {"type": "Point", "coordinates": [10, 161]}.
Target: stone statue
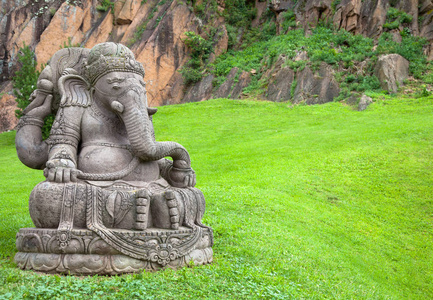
{"type": "Point", "coordinates": [111, 202]}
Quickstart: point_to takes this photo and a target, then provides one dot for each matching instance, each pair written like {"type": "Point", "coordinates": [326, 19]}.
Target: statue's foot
{"type": "Point", "coordinates": [165, 211]}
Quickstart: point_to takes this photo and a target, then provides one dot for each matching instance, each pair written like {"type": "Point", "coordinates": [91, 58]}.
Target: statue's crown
{"type": "Point", "coordinates": [110, 57]}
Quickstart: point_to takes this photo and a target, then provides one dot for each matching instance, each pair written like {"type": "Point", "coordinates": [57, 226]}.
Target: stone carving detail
{"type": "Point", "coordinates": [111, 203]}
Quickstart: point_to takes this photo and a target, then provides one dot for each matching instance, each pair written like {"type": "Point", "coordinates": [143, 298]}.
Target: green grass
{"type": "Point", "coordinates": [311, 202]}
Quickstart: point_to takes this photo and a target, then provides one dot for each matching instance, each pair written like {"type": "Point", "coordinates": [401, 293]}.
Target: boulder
{"type": "Point", "coordinates": [225, 88]}
{"type": "Point", "coordinates": [280, 86]}
{"type": "Point", "coordinates": [244, 81]}
{"type": "Point", "coordinates": [391, 70]}
{"type": "Point", "coordinates": [364, 102]}
{"type": "Point", "coordinates": [316, 88]}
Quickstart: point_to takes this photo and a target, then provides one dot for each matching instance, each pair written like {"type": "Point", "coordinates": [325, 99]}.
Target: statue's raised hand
{"type": "Point", "coordinates": [60, 170]}
{"type": "Point", "coordinates": [40, 105]}
{"type": "Point", "coordinates": [181, 178]}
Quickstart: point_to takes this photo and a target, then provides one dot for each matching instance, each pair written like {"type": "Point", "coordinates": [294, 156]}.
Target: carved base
{"type": "Point", "coordinates": [87, 254]}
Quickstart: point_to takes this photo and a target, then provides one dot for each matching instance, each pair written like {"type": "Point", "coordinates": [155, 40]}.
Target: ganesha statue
{"type": "Point", "coordinates": [112, 202]}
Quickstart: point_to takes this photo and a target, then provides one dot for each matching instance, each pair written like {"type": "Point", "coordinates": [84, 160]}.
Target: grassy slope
{"type": "Point", "coordinates": [305, 201]}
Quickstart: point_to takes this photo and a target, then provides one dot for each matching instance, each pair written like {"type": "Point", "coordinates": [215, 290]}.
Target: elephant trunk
{"type": "Point", "coordinates": [140, 133]}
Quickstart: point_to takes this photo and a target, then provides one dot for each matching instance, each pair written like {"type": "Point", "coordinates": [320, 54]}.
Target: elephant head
{"type": "Point", "coordinates": [113, 80]}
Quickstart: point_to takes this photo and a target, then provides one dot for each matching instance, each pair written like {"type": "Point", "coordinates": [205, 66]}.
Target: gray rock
{"type": "Point", "coordinates": [279, 88]}
{"type": "Point", "coordinates": [225, 88]}
{"type": "Point", "coordinates": [391, 70]}
{"type": "Point", "coordinates": [364, 102]}
{"type": "Point", "coordinates": [202, 90]}
{"type": "Point", "coordinates": [244, 81]}
{"type": "Point", "coordinates": [316, 88]}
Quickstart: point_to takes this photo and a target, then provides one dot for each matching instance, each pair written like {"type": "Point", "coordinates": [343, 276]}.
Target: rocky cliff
{"type": "Point", "coordinates": [155, 31]}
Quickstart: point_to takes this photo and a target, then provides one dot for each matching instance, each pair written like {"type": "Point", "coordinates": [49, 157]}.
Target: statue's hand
{"type": "Point", "coordinates": [60, 170]}
{"type": "Point", "coordinates": [40, 104]}
{"type": "Point", "coordinates": [181, 178]}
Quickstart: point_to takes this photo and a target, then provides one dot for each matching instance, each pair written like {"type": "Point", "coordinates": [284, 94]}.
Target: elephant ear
{"type": "Point", "coordinates": [74, 90]}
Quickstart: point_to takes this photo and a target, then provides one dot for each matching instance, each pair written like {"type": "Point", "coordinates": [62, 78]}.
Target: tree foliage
{"type": "Point", "coordinates": [25, 80]}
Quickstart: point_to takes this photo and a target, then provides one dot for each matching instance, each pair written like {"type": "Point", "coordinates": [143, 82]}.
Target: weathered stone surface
{"type": "Point", "coordinates": [163, 28]}
{"type": "Point", "coordinates": [225, 88]}
{"type": "Point", "coordinates": [278, 6]}
{"type": "Point", "coordinates": [125, 10]}
{"type": "Point", "coordinates": [316, 10]}
{"type": "Point", "coordinates": [392, 70]}
{"type": "Point", "coordinates": [280, 86]}
{"type": "Point", "coordinates": [347, 15]}
{"type": "Point", "coordinates": [64, 25]}
{"type": "Point", "coordinates": [364, 102]}
{"type": "Point", "coordinates": [316, 88]}
{"type": "Point", "coordinates": [115, 197]}
{"type": "Point", "coordinates": [165, 43]}
{"type": "Point", "coordinates": [200, 91]}
{"type": "Point", "coordinates": [243, 82]}
{"type": "Point", "coordinates": [7, 112]}
{"type": "Point", "coordinates": [88, 254]}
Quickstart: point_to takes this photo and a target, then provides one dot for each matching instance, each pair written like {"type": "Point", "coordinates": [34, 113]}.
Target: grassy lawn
{"type": "Point", "coordinates": [308, 202]}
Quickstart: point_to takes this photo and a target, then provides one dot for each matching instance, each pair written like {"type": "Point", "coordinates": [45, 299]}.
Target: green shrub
{"type": "Point", "coordinates": [25, 80]}
{"type": "Point", "coordinates": [395, 18]}
{"type": "Point", "coordinates": [200, 50]}
{"type": "Point", "coordinates": [289, 20]}
{"type": "Point", "coordinates": [105, 5]}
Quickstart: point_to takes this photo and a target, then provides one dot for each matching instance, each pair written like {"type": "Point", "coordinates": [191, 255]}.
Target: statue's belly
{"type": "Point", "coordinates": [105, 159]}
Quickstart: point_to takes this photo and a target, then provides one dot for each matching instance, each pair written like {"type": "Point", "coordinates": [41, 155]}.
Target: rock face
{"type": "Point", "coordinates": [280, 87]}
{"type": "Point", "coordinates": [225, 88]}
{"type": "Point", "coordinates": [202, 90]}
{"type": "Point", "coordinates": [155, 31]}
{"type": "Point", "coordinates": [244, 81]}
{"type": "Point", "coordinates": [316, 88]}
{"type": "Point", "coordinates": [7, 112]}
{"type": "Point", "coordinates": [392, 70]}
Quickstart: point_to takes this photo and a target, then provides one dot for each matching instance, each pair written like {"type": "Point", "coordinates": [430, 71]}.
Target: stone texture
{"type": "Point", "coordinates": [7, 112]}
{"type": "Point", "coordinates": [225, 88]}
{"type": "Point", "coordinates": [124, 11]}
{"type": "Point", "coordinates": [165, 43]}
{"type": "Point", "coordinates": [243, 82]}
{"type": "Point", "coordinates": [111, 203]}
{"type": "Point", "coordinates": [364, 102]}
{"type": "Point", "coordinates": [316, 10]}
{"type": "Point", "coordinates": [347, 15]}
{"type": "Point", "coordinates": [161, 38]}
{"type": "Point", "coordinates": [200, 91]}
{"type": "Point", "coordinates": [38, 250]}
{"type": "Point", "coordinates": [280, 86]}
{"type": "Point", "coordinates": [65, 24]}
{"type": "Point", "coordinates": [392, 70]}
{"type": "Point", "coordinates": [316, 88]}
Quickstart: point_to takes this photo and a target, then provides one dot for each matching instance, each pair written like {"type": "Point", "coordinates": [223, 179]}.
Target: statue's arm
{"type": "Point", "coordinates": [64, 139]}
{"type": "Point", "coordinates": [32, 150]}
{"type": "Point", "coordinates": [176, 177]}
